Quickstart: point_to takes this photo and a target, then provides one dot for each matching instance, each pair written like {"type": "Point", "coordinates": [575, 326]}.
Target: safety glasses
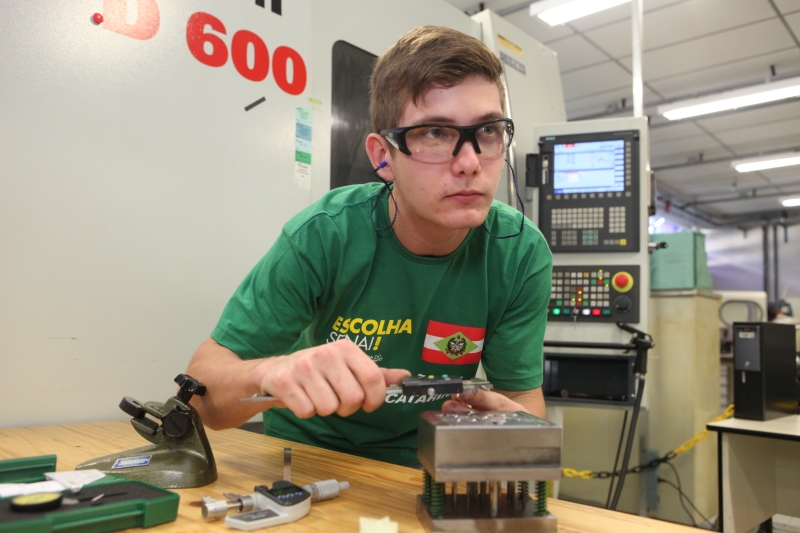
{"type": "Point", "coordinates": [439, 143]}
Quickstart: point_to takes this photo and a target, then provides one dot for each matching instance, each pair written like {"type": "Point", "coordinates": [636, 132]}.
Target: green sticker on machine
{"type": "Point", "coordinates": [303, 115]}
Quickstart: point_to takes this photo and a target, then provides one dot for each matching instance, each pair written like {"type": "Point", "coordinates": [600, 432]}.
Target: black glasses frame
{"type": "Point", "coordinates": [397, 136]}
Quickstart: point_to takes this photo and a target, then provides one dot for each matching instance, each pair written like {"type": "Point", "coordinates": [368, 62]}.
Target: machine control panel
{"type": "Point", "coordinates": [589, 191]}
{"type": "Point", "coordinates": [594, 293]}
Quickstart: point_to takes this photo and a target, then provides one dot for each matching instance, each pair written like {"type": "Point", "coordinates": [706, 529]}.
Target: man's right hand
{"type": "Point", "coordinates": [332, 378]}
{"type": "Point", "coordinates": [336, 377]}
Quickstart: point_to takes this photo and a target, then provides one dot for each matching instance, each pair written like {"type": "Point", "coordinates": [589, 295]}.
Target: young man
{"type": "Point", "coordinates": [373, 283]}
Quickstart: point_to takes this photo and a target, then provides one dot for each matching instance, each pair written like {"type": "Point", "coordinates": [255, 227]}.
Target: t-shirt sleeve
{"type": "Point", "coordinates": [513, 357]}
{"type": "Point", "coordinates": [275, 303]}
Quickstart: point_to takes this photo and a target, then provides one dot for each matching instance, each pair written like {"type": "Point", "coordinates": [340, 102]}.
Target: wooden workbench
{"type": "Point", "coordinates": [247, 459]}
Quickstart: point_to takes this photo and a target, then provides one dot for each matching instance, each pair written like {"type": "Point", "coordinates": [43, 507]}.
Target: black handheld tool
{"type": "Point", "coordinates": [430, 385]}
{"type": "Point", "coordinates": [444, 384]}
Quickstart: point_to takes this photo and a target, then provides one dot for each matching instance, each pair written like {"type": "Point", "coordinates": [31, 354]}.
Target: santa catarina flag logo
{"type": "Point", "coordinates": [448, 344]}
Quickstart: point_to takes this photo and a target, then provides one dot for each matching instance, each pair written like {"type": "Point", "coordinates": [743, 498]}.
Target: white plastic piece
{"type": "Point", "coordinates": [75, 479]}
{"type": "Point", "coordinates": [18, 489]}
{"type": "Point", "coordinates": [375, 525]}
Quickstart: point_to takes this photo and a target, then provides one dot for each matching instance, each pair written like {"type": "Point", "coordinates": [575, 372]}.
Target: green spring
{"type": "Point", "coordinates": [524, 491]}
{"type": "Point", "coordinates": [426, 488]}
{"type": "Point", "coordinates": [541, 498]}
{"type": "Point", "coordinates": [437, 499]}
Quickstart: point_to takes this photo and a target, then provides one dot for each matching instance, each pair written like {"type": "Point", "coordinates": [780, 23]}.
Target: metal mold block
{"type": "Point", "coordinates": [489, 446]}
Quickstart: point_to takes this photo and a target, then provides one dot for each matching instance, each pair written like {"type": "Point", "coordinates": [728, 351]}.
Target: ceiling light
{"type": "Point", "coordinates": [752, 164]}
{"type": "Point", "coordinates": [791, 202]}
{"type": "Point", "coordinates": [555, 12]}
{"type": "Point", "coordinates": [725, 101]}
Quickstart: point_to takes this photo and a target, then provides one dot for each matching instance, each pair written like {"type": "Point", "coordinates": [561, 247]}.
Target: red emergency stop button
{"type": "Point", "coordinates": [622, 282]}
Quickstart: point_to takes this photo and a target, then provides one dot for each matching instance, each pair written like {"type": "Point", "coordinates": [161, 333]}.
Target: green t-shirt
{"type": "Point", "coordinates": [331, 275]}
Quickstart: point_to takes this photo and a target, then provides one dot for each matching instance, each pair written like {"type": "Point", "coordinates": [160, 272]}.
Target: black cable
{"type": "Point", "coordinates": [680, 499]}
{"type": "Point", "coordinates": [386, 187]}
{"type": "Point", "coordinates": [678, 478]}
{"type": "Point", "coordinates": [682, 496]}
{"type": "Point", "coordinates": [629, 446]}
{"type": "Point", "coordinates": [521, 206]}
{"type": "Point", "coordinates": [616, 459]}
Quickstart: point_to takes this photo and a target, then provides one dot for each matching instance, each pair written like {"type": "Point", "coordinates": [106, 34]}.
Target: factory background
{"type": "Point", "coordinates": [146, 163]}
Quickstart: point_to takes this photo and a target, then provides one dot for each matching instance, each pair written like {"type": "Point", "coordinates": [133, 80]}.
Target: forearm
{"type": "Point", "coordinates": [532, 400]}
{"type": "Point", "coordinates": [227, 378]}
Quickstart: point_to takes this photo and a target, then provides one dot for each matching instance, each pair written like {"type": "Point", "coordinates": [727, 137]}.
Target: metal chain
{"type": "Point", "coordinates": [683, 448]}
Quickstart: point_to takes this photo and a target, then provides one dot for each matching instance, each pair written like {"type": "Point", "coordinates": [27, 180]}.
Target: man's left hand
{"type": "Point", "coordinates": [530, 401]}
{"type": "Point", "coordinates": [482, 400]}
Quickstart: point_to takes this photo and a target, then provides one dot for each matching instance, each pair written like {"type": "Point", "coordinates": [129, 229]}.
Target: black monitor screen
{"type": "Point", "coordinates": [581, 167]}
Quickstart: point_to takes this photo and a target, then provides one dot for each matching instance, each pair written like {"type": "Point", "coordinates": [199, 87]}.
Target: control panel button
{"type": "Point", "coordinates": [622, 282]}
{"type": "Point", "coordinates": [623, 304]}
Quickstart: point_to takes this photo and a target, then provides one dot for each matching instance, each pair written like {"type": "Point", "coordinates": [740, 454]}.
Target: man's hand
{"type": "Point", "coordinates": [331, 378]}
{"type": "Point", "coordinates": [530, 401]}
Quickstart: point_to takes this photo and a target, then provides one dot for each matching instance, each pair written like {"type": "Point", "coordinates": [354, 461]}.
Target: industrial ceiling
{"type": "Point", "coordinates": [691, 48]}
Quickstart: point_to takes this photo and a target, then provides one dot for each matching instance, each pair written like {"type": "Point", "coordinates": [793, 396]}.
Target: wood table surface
{"type": "Point", "coordinates": [246, 459]}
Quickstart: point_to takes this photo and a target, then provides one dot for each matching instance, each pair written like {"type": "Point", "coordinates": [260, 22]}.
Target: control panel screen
{"type": "Point", "coordinates": [589, 192]}
{"type": "Point", "coordinates": [589, 167]}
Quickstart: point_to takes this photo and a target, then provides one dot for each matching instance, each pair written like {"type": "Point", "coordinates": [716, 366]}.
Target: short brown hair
{"type": "Point", "coordinates": [427, 56]}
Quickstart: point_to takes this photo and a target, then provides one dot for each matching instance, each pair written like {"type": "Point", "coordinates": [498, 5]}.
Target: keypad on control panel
{"type": "Point", "coordinates": [578, 218]}
{"type": "Point", "coordinates": [616, 219]}
{"type": "Point", "coordinates": [587, 291]}
{"type": "Point", "coordinates": [582, 226]}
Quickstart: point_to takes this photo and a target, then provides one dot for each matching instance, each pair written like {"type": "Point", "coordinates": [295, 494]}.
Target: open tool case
{"type": "Point", "coordinates": [125, 503]}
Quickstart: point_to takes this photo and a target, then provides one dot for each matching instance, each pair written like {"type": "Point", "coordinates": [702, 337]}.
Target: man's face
{"type": "Point", "coordinates": [436, 197]}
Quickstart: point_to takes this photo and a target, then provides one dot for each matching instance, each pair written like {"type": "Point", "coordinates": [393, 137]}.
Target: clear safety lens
{"type": "Point", "coordinates": [439, 144]}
